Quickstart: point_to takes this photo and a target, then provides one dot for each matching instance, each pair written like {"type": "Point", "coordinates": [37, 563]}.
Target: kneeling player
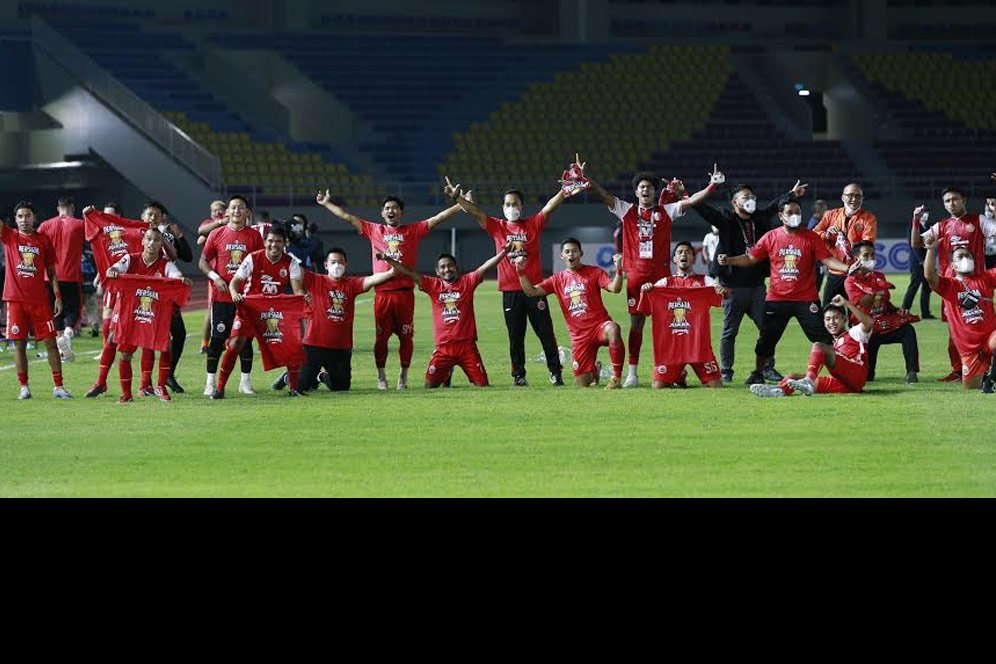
{"type": "Point", "coordinates": [578, 289]}
{"type": "Point", "coordinates": [328, 344]}
{"type": "Point", "coordinates": [846, 359]}
{"type": "Point", "coordinates": [453, 323]}
{"type": "Point", "coordinates": [679, 306]}
{"type": "Point", "coordinates": [968, 308]}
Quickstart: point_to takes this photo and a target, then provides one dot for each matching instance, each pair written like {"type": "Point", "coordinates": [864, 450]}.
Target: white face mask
{"type": "Point", "coordinates": [715, 231]}
{"type": "Point", "coordinates": [965, 265]}
{"type": "Point", "coordinates": [749, 206]}
{"type": "Point", "coordinates": [793, 220]}
{"type": "Point", "coordinates": [868, 264]}
{"type": "Point", "coordinates": [336, 271]}
{"type": "Point", "coordinates": [513, 213]}
{"type": "Point", "coordinates": [924, 217]}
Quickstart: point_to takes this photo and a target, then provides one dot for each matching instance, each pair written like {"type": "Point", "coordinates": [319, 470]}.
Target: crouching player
{"type": "Point", "coordinates": [578, 289]}
{"type": "Point", "coordinates": [328, 344]}
{"type": "Point", "coordinates": [454, 325]}
{"type": "Point", "coordinates": [679, 306]}
{"type": "Point", "coordinates": [968, 308]}
{"type": "Point", "coordinates": [846, 359]}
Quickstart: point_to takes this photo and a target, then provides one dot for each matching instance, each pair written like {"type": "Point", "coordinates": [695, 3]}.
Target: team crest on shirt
{"type": "Point", "coordinates": [236, 252]}
{"type": "Point", "coordinates": [283, 273]}
{"type": "Point", "coordinates": [575, 294]}
{"type": "Point", "coordinates": [268, 286]}
{"type": "Point", "coordinates": [393, 242]}
{"type": "Point", "coordinates": [27, 268]}
{"type": "Point", "coordinates": [975, 314]}
{"type": "Point", "coordinates": [451, 312]}
{"type": "Point", "coordinates": [662, 369]}
{"type": "Point", "coordinates": [679, 324]}
{"type": "Point", "coordinates": [790, 262]}
{"type": "Point", "coordinates": [115, 234]}
{"type": "Point", "coordinates": [15, 329]}
{"type": "Point", "coordinates": [144, 314]}
{"type": "Point", "coordinates": [541, 305]}
{"type": "Point", "coordinates": [813, 308]}
{"type": "Point", "coordinates": [336, 312]}
{"type": "Point", "coordinates": [631, 301]}
{"type": "Point", "coordinates": [272, 319]}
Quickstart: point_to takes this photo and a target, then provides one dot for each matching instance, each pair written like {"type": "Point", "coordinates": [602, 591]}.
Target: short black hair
{"type": "Point", "coordinates": [954, 190]}
{"type": "Point", "coordinates": [446, 255]}
{"type": "Point", "coordinates": [388, 199]}
{"type": "Point", "coordinates": [336, 250]}
{"type": "Point", "coordinates": [737, 188]}
{"type": "Point", "coordinates": [649, 176]}
{"type": "Point", "coordinates": [25, 204]}
{"type": "Point", "coordinates": [858, 246]}
{"type": "Point", "coordinates": [278, 229]}
{"type": "Point", "coordinates": [789, 201]}
{"type": "Point", "coordinates": [571, 240]}
{"type": "Point", "coordinates": [66, 201]}
{"type": "Point", "coordinates": [239, 197]}
{"type": "Point", "coordinates": [155, 231]}
{"type": "Point", "coordinates": [156, 205]}
{"type": "Point", "coordinates": [685, 243]}
{"type": "Point", "coordinates": [833, 307]}
{"type": "Point", "coordinates": [514, 192]}
{"type": "Point", "coordinates": [963, 247]}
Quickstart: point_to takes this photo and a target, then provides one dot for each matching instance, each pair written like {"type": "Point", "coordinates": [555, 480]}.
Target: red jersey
{"type": "Point", "coordinates": [27, 258]}
{"type": "Point", "coordinates": [956, 232]}
{"type": "Point", "coordinates": [885, 316]}
{"type": "Point", "coordinates": [332, 308]}
{"type": "Point", "coordinates": [144, 309]}
{"type": "Point", "coordinates": [971, 327]}
{"type": "Point", "coordinates": [452, 308]}
{"type": "Point", "coordinates": [793, 259]}
{"type": "Point", "coordinates": [112, 237]}
{"type": "Point", "coordinates": [66, 235]}
{"type": "Point", "coordinates": [397, 242]}
{"type": "Point", "coordinates": [525, 238]}
{"type": "Point", "coordinates": [224, 250]}
{"type": "Point", "coordinates": [681, 323]}
{"type": "Point", "coordinates": [580, 297]}
{"type": "Point", "coordinates": [261, 276]}
{"type": "Point", "coordinates": [135, 264]}
{"type": "Point", "coordinates": [691, 281]}
{"type": "Point", "coordinates": [646, 237]}
{"type": "Point", "coordinates": [852, 344]}
{"type": "Point", "coordinates": [275, 321]}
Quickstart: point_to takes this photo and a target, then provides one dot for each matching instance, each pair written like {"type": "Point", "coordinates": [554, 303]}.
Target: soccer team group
{"type": "Point", "coordinates": [303, 321]}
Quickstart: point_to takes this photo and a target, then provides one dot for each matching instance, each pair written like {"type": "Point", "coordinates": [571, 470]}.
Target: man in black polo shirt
{"type": "Point", "coordinates": [739, 230]}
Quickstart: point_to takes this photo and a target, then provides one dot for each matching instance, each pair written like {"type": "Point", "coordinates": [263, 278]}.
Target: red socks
{"type": "Point", "coordinates": [635, 344]}
{"type": "Point", "coordinates": [165, 362]}
{"type": "Point", "coordinates": [292, 376]}
{"type": "Point", "coordinates": [617, 354]}
{"type": "Point", "coordinates": [124, 371]}
{"type": "Point", "coordinates": [227, 365]}
{"type": "Point", "coordinates": [817, 359]}
{"type": "Point", "coordinates": [148, 362]}
{"type": "Point", "coordinates": [22, 378]}
{"type": "Point", "coordinates": [953, 356]}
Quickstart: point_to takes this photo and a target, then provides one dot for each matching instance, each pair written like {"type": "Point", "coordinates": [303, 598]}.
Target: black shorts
{"type": "Point", "coordinates": [337, 362]}
{"type": "Point", "coordinates": [222, 317]}
{"type": "Point", "coordinates": [777, 315]}
{"type": "Point", "coordinates": [72, 303]}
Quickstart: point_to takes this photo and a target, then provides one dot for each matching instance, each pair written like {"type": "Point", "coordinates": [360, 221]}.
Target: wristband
{"type": "Point", "coordinates": [212, 275]}
{"type": "Point", "coordinates": [58, 296]}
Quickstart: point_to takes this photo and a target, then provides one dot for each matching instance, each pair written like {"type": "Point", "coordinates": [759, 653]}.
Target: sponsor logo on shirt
{"type": "Point", "coordinates": [451, 312]}
{"type": "Point", "coordinates": [790, 262]}
{"type": "Point", "coordinates": [117, 244]}
{"type": "Point", "coordinates": [575, 294]}
{"type": "Point", "coordinates": [974, 315]}
{"type": "Point", "coordinates": [268, 285]}
{"type": "Point", "coordinates": [393, 242]}
{"type": "Point", "coordinates": [272, 319]}
{"type": "Point", "coordinates": [679, 324]}
{"type": "Point", "coordinates": [144, 314]}
{"type": "Point", "coordinates": [236, 252]}
{"type": "Point", "coordinates": [27, 268]}
{"type": "Point", "coordinates": [518, 241]}
{"type": "Point", "coordinates": [336, 311]}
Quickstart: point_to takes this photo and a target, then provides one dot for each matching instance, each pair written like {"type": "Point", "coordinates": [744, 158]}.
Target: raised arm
{"type": "Point", "coordinates": [400, 268]}
{"type": "Point", "coordinates": [716, 178]}
{"type": "Point", "coordinates": [916, 240]}
{"type": "Point", "coordinates": [743, 260]}
{"type": "Point", "coordinates": [772, 208]}
{"type": "Point", "coordinates": [608, 199]}
{"type": "Point", "coordinates": [615, 285]}
{"type": "Point", "coordinates": [325, 200]}
{"type": "Point", "coordinates": [445, 214]}
{"type": "Point", "coordinates": [930, 263]}
{"type": "Point", "coordinates": [527, 287]}
{"type": "Point", "coordinates": [466, 203]}
{"type": "Point", "coordinates": [494, 260]}
{"type": "Point", "coordinates": [863, 319]}
{"type": "Point", "coordinates": [552, 204]}
{"type": "Point", "coordinates": [378, 279]}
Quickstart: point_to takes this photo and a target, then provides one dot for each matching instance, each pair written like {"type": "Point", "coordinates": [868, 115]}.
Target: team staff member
{"type": "Point", "coordinates": [29, 254]}
{"type": "Point", "coordinates": [739, 229]}
{"type": "Point", "coordinates": [394, 301]}
{"type": "Point", "coordinates": [792, 253]}
{"type": "Point", "coordinates": [917, 256]}
{"type": "Point", "coordinates": [840, 229]}
{"type": "Point", "coordinates": [65, 232]}
{"type": "Point", "coordinates": [524, 234]}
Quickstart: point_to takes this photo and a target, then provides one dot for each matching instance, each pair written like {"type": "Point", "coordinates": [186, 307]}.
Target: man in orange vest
{"type": "Point", "coordinates": [841, 228]}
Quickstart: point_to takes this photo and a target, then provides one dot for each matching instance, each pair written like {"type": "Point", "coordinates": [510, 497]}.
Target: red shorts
{"type": "Point", "coordinates": [394, 313]}
{"type": "Point", "coordinates": [673, 373]}
{"type": "Point", "coordinates": [846, 377]}
{"type": "Point", "coordinates": [23, 317]}
{"type": "Point", "coordinates": [977, 363]}
{"type": "Point", "coordinates": [460, 354]}
{"type": "Point", "coordinates": [237, 331]}
{"type": "Point", "coordinates": [584, 348]}
{"type": "Point", "coordinates": [634, 280]}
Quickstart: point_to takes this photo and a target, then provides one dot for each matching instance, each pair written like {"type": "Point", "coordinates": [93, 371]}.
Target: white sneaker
{"type": "Point", "coordinates": [211, 385]}
{"type": "Point", "coordinates": [61, 393]}
{"type": "Point", "coordinates": [381, 383]}
{"type": "Point", "coordinates": [632, 380]}
{"type": "Point", "coordinates": [25, 393]}
{"type": "Point", "coordinates": [804, 386]}
{"type": "Point", "coordinates": [763, 390]}
{"type": "Point", "coordinates": [65, 346]}
{"type": "Point", "coordinates": [245, 384]}
{"type": "Point", "coordinates": [402, 383]}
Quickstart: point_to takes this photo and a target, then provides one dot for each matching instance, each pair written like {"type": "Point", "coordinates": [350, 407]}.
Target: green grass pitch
{"type": "Point", "coordinates": [929, 439]}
